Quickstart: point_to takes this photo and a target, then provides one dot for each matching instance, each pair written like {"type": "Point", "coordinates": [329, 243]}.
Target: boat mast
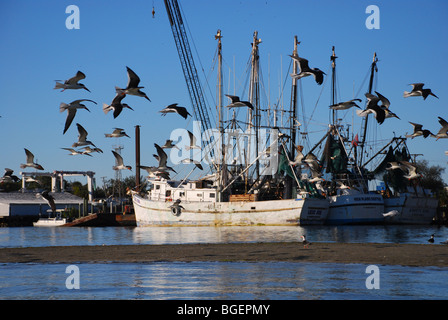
{"type": "Point", "coordinates": [373, 69]}
{"type": "Point", "coordinates": [333, 84]}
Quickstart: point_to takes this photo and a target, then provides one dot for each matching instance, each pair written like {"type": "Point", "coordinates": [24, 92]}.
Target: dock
{"type": "Point", "coordinates": [103, 220]}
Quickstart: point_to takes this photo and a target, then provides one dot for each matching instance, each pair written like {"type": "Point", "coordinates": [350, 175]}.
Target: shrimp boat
{"type": "Point", "coordinates": [252, 181]}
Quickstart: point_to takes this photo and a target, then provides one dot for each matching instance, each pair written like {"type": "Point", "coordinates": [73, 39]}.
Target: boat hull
{"type": "Point", "coordinates": [411, 209]}
{"type": "Point", "coordinates": [308, 211]}
{"type": "Point", "coordinates": [355, 209]}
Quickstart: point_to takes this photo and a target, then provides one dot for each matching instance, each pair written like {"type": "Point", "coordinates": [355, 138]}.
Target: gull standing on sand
{"type": "Point", "coordinates": [117, 133]}
{"type": "Point", "coordinates": [419, 131]}
{"type": "Point", "coordinates": [174, 108]}
{"type": "Point", "coordinates": [417, 91]}
{"type": "Point", "coordinates": [237, 103]}
{"type": "Point", "coordinates": [119, 162]}
{"type": "Point", "coordinates": [132, 88]}
{"type": "Point", "coordinates": [116, 105]}
{"type": "Point", "coordinates": [72, 83]}
{"type": "Point", "coordinates": [305, 242]}
{"type": "Point", "coordinates": [306, 71]}
{"type": "Point", "coordinates": [71, 108]}
{"type": "Point", "coordinates": [431, 239]}
{"type": "Point", "coordinates": [30, 161]}
{"type": "Point", "coordinates": [82, 137]}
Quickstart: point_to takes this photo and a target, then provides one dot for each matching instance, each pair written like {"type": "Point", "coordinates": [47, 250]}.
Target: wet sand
{"type": "Point", "coordinates": [371, 253]}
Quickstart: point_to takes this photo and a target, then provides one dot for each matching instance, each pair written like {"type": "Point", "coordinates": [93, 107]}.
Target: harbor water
{"type": "Point", "coordinates": [219, 280]}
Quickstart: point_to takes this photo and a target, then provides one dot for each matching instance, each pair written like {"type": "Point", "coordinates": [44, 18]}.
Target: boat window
{"type": "Point", "coordinates": [199, 195]}
{"type": "Point", "coordinates": [157, 186]}
{"type": "Point", "coordinates": [212, 195]}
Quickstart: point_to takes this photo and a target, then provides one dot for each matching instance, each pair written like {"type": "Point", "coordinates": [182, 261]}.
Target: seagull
{"type": "Point", "coordinates": [117, 133]}
{"type": "Point", "coordinates": [8, 176]}
{"type": "Point", "coordinates": [443, 131]}
{"type": "Point", "coordinates": [385, 103]}
{"type": "Point", "coordinates": [74, 152]}
{"type": "Point", "coordinates": [393, 165]}
{"type": "Point", "coordinates": [392, 213]}
{"type": "Point", "coordinates": [71, 108]}
{"type": "Point", "coordinates": [372, 107]}
{"type": "Point", "coordinates": [30, 161]}
{"type": "Point", "coordinates": [119, 162]}
{"type": "Point", "coordinates": [72, 83]}
{"type": "Point", "coordinates": [150, 169]}
{"type": "Point", "coordinates": [316, 176]}
{"type": "Point", "coordinates": [236, 102]}
{"type": "Point", "coordinates": [312, 161]}
{"type": "Point", "coordinates": [169, 144]}
{"type": "Point", "coordinates": [431, 240]}
{"type": "Point", "coordinates": [116, 105]}
{"type": "Point", "coordinates": [176, 205]}
{"type": "Point", "coordinates": [163, 157]}
{"type": "Point", "coordinates": [197, 163]}
{"type": "Point", "coordinates": [49, 198]}
{"type": "Point", "coordinates": [345, 105]}
{"type": "Point", "coordinates": [444, 242]}
{"type": "Point", "coordinates": [417, 90]}
{"type": "Point", "coordinates": [82, 137]}
{"type": "Point", "coordinates": [192, 142]}
{"type": "Point", "coordinates": [419, 131]}
{"type": "Point", "coordinates": [132, 88]}
{"type": "Point", "coordinates": [298, 159]}
{"type": "Point", "coordinates": [305, 242]}
{"type": "Point", "coordinates": [174, 108]}
{"type": "Point", "coordinates": [306, 71]}
{"type": "Point", "coordinates": [87, 149]}
{"type": "Point", "coordinates": [411, 170]}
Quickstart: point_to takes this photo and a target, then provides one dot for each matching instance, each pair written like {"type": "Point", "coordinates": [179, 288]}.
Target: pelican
{"type": "Point", "coordinates": [72, 83]}
{"type": "Point", "coordinates": [49, 199]}
{"type": "Point", "coordinates": [345, 105]}
{"type": "Point", "coordinates": [196, 163]}
{"type": "Point", "coordinates": [132, 88]}
{"type": "Point", "coordinates": [8, 176]}
{"type": "Point", "coordinates": [116, 105]}
{"type": "Point", "coordinates": [163, 158]}
{"type": "Point", "coordinates": [411, 170]}
{"type": "Point", "coordinates": [71, 108]}
{"type": "Point", "coordinates": [192, 142]}
{"type": "Point", "coordinates": [119, 162]}
{"type": "Point", "coordinates": [237, 103]}
{"type": "Point", "coordinates": [117, 133]}
{"type": "Point", "coordinates": [74, 152]}
{"type": "Point", "coordinates": [174, 108]}
{"type": "Point", "coordinates": [306, 71]}
{"type": "Point", "coordinates": [30, 161]}
{"type": "Point", "coordinates": [417, 90]}
{"type": "Point", "coordinates": [443, 131]}
{"type": "Point", "coordinates": [419, 131]}
{"type": "Point", "coordinates": [372, 107]}
{"type": "Point", "coordinates": [82, 137]}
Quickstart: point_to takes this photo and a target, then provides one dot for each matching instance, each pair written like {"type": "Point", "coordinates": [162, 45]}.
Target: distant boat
{"type": "Point", "coordinates": [50, 222]}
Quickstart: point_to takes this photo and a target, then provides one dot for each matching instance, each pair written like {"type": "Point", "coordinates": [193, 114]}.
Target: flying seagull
{"type": "Point", "coordinates": [417, 90]}
{"type": "Point", "coordinates": [116, 105]}
{"type": "Point", "coordinates": [236, 102]}
{"type": "Point", "coordinates": [119, 162]}
{"type": "Point", "coordinates": [306, 71]}
{"type": "Point", "coordinates": [71, 108]}
{"type": "Point", "coordinates": [82, 137]}
{"type": "Point", "coordinates": [117, 133]}
{"type": "Point", "coordinates": [373, 107]}
{"type": "Point", "coordinates": [132, 88]}
{"type": "Point", "coordinates": [345, 105]}
{"type": "Point", "coordinates": [192, 142]}
{"type": "Point", "coordinates": [174, 108]}
{"type": "Point", "coordinates": [443, 131]}
{"type": "Point", "coordinates": [74, 152]}
{"type": "Point", "coordinates": [196, 163]}
{"type": "Point", "coordinates": [87, 149]}
{"type": "Point", "coordinates": [8, 176]}
{"type": "Point", "coordinates": [49, 199]}
{"type": "Point", "coordinates": [163, 157]}
{"type": "Point", "coordinates": [169, 144]}
{"type": "Point", "coordinates": [72, 83]}
{"type": "Point", "coordinates": [30, 161]}
{"type": "Point", "coordinates": [419, 131]}
{"type": "Point", "coordinates": [410, 169]}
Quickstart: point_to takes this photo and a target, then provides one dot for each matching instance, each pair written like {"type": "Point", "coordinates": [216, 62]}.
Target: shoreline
{"type": "Point", "coordinates": [366, 253]}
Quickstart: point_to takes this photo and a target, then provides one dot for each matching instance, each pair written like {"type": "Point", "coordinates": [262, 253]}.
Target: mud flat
{"type": "Point", "coordinates": [369, 253]}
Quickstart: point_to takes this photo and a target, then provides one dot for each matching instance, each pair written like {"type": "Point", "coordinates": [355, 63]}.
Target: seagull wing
{"type": "Point", "coordinates": [163, 157]}
{"type": "Point", "coordinates": [118, 157]}
{"type": "Point", "coordinates": [417, 86]}
{"type": "Point", "coordinates": [82, 132]}
{"type": "Point", "coordinates": [75, 79]}
{"type": "Point", "coordinates": [71, 112]}
{"type": "Point", "coordinates": [29, 156]}
{"type": "Point", "coordinates": [133, 79]}
{"type": "Point", "coordinates": [384, 100]}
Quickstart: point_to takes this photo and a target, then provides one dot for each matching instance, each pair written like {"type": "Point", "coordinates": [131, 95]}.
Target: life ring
{"type": "Point", "coordinates": [176, 211]}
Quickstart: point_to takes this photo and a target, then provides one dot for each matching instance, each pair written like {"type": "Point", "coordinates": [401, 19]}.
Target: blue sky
{"type": "Point", "coordinates": [37, 49]}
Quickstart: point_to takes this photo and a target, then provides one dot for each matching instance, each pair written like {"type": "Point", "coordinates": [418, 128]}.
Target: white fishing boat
{"type": "Point", "coordinates": [245, 186]}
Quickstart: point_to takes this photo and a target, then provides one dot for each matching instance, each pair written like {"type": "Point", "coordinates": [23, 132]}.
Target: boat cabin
{"type": "Point", "coordinates": [195, 191]}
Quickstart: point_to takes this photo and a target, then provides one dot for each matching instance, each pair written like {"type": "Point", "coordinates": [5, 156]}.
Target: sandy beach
{"type": "Point", "coordinates": [370, 253]}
